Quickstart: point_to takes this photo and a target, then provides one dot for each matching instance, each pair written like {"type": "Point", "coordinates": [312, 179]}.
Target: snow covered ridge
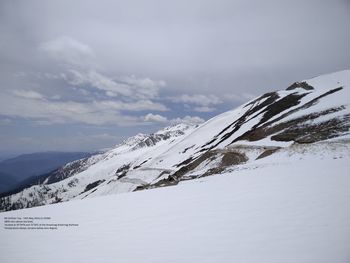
{"type": "Point", "coordinates": [310, 117]}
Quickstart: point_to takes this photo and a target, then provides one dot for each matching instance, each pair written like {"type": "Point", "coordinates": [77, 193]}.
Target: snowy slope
{"type": "Point", "coordinates": [281, 209]}
{"type": "Point", "coordinates": [311, 114]}
{"type": "Point", "coordinates": [81, 175]}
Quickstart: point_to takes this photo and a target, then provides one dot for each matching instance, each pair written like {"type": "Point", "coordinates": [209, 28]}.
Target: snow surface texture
{"type": "Point", "coordinates": [306, 113]}
{"type": "Point", "coordinates": [281, 210]}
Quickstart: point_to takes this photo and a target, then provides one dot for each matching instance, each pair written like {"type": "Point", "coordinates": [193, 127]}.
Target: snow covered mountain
{"type": "Point", "coordinates": [309, 118]}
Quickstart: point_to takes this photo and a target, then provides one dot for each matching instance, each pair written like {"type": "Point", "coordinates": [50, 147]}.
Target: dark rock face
{"type": "Point", "coordinates": [228, 158]}
{"type": "Point", "coordinates": [267, 152]}
{"type": "Point", "coordinates": [209, 155]}
{"type": "Point", "coordinates": [255, 106]}
{"type": "Point", "coordinates": [315, 132]}
{"type": "Point", "coordinates": [92, 185]}
{"type": "Point", "coordinates": [296, 129]}
{"type": "Point", "coordinates": [122, 171]}
{"type": "Point", "coordinates": [271, 120]}
{"type": "Point", "coordinates": [302, 85]}
{"type": "Point", "coordinates": [269, 112]}
{"type": "Point", "coordinates": [233, 158]}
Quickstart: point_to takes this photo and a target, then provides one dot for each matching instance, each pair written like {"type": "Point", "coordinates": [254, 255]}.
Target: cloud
{"type": "Point", "coordinates": [68, 50]}
{"type": "Point", "coordinates": [139, 105]}
{"type": "Point", "coordinates": [198, 102]}
{"type": "Point", "coordinates": [197, 99]}
{"type": "Point", "coordinates": [204, 109]}
{"type": "Point", "coordinates": [111, 98]}
{"type": "Point", "coordinates": [145, 87]}
{"type": "Point", "coordinates": [98, 81]}
{"type": "Point", "coordinates": [122, 94]}
{"type": "Point", "coordinates": [81, 69]}
{"type": "Point", "coordinates": [75, 141]}
{"type": "Point", "coordinates": [188, 119]}
{"type": "Point", "coordinates": [55, 97]}
{"type": "Point", "coordinates": [131, 87]}
{"type": "Point", "coordinates": [155, 118]}
{"type": "Point", "coordinates": [28, 94]}
{"type": "Point", "coordinates": [97, 112]}
{"type": "Point", "coordinates": [161, 119]}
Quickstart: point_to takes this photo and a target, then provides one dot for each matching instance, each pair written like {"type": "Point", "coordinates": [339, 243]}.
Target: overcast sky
{"type": "Point", "coordinates": [83, 75]}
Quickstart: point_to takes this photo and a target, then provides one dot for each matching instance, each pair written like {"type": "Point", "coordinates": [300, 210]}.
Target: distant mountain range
{"type": "Point", "coordinates": [310, 117]}
{"type": "Point", "coordinates": [24, 169]}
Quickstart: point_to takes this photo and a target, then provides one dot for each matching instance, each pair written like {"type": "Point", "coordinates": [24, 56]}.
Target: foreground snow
{"type": "Point", "coordinates": [283, 211]}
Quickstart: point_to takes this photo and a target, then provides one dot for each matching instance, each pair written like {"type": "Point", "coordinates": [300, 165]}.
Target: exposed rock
{"type": "Point", "coordinates": [122, 171]}
{"type": "Point", "coordinates": [92, 185]}
{"type": "Point", "coordinates": [228, 158]}
{"type": "Point", "coordinates": [267, 152]}
{"type": "Point", "coordinates": [233, 158]}
{"type": "Point", "coordinates": [303, 85]}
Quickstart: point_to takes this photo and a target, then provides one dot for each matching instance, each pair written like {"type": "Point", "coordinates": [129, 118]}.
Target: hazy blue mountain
{"type": "Point", "coordinates": [22, 167]}
{"type": "Point", "coordinates": [7, 181]}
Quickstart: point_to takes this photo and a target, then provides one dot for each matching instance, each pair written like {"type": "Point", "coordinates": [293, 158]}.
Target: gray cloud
{"type": "Point", "coordinates": [198, 99]}
{"type": "Point", "coordinates": [156, 118]}
{"type": "Point", "coordinates": [188, 119]}
{"type": "Point", "coordinates": [125, 86]}
{"type": "Point", "coordinates": [204, 109]}
{"type": "Point", "coordinates": [150, 117]}
{"type": "Point", "coordinates": [33, 105]}
{"type": "Point", "coordinates": [198, 102]}
{"type": "Point", "coordinates": [28, 94]}
{"type": "Point", "coordinates": [68, 50]}
{"type": "Point", "coordinates": [109, 63]}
